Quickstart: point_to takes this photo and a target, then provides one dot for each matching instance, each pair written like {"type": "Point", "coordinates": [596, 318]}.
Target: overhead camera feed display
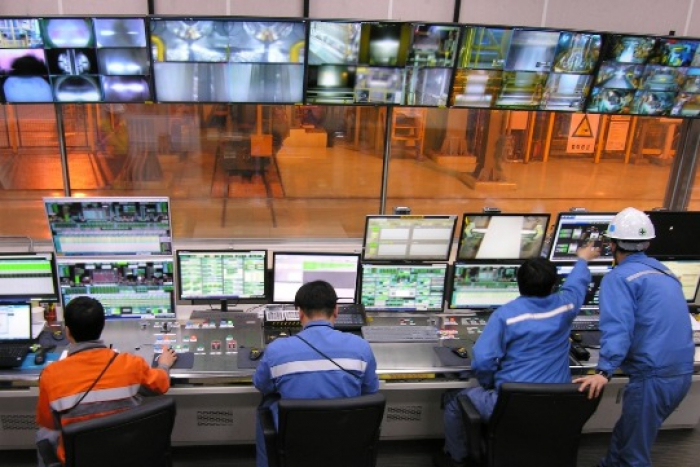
{"type": "Point", "coordinates": [502, 236]}
{"type": "Point", "coordinates": [334, 43]}
{"type": "Point", "coordinates": [26, 76]}
{"type": "Point", "coordinates": [630, 49]}
{"type": "Point", "coordinates": [484, 48]}
{"type": "Point", "coordinates": [476, 88]}
{"type": "Point", "coordinates": [123, 62]}
{"type": "Point", "coordinates": [77, 89]}
{"type": "Point", "coordinates": [614, 88]}
{"type": "Point", "coordinates": [21, 33]}
{"type": "Point", "coordinates": [384, 44]}
{"type": "Point", "coordinates": [379, 85]}
{"type": "Point", "coordinates": [565, 92]}
{"type": "Point", "coordinates": [676, 53]}
{"type": "Point", "coordinates": [120, 32]}
{"type": "Point", "coordinates": [228, 61]}
{"type": "Point", "coordinates": [521, 89]}
{"type": "Point", "coordinates": [67, 33]}
{"type": "Point", "coordinates": [125, 89]}
{"type": "Point", "coordinates": [531, 50]}
{"type": "Point", "coordinates": [427, 86]}
{"type": "Point", "coordinates": [331, 84]}
{"type": "Point", "coordinates": [686, 105]}
{"type": "Point", "coordinates": [229, 82]}
{"type": "Point", "coordinates": [577, 53]}
{"type": "Point", "coordinates": [433, 45]}
{"type": "Point", "coordinates": [604, 100]}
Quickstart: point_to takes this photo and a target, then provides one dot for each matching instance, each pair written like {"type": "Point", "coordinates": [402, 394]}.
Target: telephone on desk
{"type": "Point", "coordinates": [351, 317]}
{"type": "Point", "coordinates": [577, 350]}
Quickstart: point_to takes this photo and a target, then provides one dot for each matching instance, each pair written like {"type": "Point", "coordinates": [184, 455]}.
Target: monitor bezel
{"type": "Point", "coordinates": [109, 199]}
{"type": "Point", "coordinates": [111, 259]}
{"type": "Point", "coordinates": [477, 263]}
{"type": "Point", "coordinates": [220, 298]}
{"type": "Point", "coordinates": [446, 257]}
{"type": "Point", "coordinates": [436, 265]}
{"type": "Point", "coordinates": [555, 233]}
{"type": "Point", "coordinates": [466, 215]}
{"type": "Point", "coordinates": [273, 277]}
{"type": "Point", "coordinates": [54, 298]}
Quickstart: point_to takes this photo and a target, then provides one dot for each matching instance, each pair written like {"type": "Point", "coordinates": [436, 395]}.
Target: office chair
{"type": "Point", "coordinates": [532, 424]}
{"type": "Point", "coordinates": [138, 437]}
{"type": "Point", "coordinates": [322, 432]}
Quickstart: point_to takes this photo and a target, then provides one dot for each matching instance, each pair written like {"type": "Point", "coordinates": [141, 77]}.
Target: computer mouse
{"type": "Point", "coordinates": [40, 357]}
{"type": "Point", "coordinates": [461, 352]}
{"type": "Point", "coordinates": [255, 353]}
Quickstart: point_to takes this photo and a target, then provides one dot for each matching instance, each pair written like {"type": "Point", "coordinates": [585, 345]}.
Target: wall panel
{"type": "Point", "coordinates": [428, 10]}
{"type": "Point", "coordinates": [33, 7]}
{"type": "Point", "coordinates": [191, 7]}
{"type": "Point", "coordinates": [515, 12]}
{"type": "Point", "coordinates": [375, 9]}
{"type": "Point", "coordinates": [288, 8]}
{"type": "Point", "coordinates": [100, 7]}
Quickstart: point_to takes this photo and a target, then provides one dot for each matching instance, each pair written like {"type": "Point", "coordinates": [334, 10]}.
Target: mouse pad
{"type": "Point", "coordinates": [244, 362]}
{"type": "Point", "coordinates": [448, 358]}
{"type": "Point", "coordinates": [28, 363]}
{"type": "Point", "coordinates": [185, 361]}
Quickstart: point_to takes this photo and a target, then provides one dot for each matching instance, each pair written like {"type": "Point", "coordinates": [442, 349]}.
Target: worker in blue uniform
{"type": "Point", "coordinates": [646, 332]}
{"type": "Point", "coordinates": [317, 363]}
{"type": "Point", "coordinates": [525, 341]}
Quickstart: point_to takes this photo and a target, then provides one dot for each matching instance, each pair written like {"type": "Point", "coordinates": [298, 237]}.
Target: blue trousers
{"type": "Point", "coordinates": [646, 403]}
{"type": "Point", "coordinates": [455, 434]}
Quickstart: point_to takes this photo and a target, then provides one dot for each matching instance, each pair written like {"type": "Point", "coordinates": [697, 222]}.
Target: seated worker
{"type": "Point", "coordinates": [93, 380]}
{"type": "Point", "coordinates": [524, 341]}
{"type": "Point", "coordinates": [317, 363]}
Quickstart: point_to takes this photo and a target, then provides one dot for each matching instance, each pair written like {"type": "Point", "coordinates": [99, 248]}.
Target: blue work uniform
{"type": "Point", "coordinates": [292, 369]}
{"type": "Point", "coordinates": [524, 341]}
{"type": "Point", "coordinates": [646, 332]}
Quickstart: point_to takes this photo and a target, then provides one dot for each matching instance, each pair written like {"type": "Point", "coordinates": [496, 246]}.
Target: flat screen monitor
{"type": "Point", "coordinates": [110, 226]}
{"type": "Point", "coordinates": [676, 234]}
{"type": "Point", "coordinates": [688, 273]}
{"type": "Point", "coordinates": [136, 287]}
{"type": "Point", "coordinates": [408, 238]}
{"type": "Point", "coordinates": [334, 42]}
{"type": "Point", "coordinates": [292, 270]}
{"type": "Point", "coordinates": [28, 275]}
{"type": "Point", "coordinates": [221, 275]}
{"type": "Point", "coordinates": [433, 45]}
{"type": "Point", "coordinates": [489, 236]}
{"type": "Point", "coordinates": [483, 285]}
{"type": "Point", "coordinates": [403, 287]}
{"type": "Point", "coordinates": [574, 229]}
{"type": "Point", "coordinates": [598, 271]}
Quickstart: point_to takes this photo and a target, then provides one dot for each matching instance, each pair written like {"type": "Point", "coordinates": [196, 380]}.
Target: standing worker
{"type": "Point", "coordinates": [646, 332]}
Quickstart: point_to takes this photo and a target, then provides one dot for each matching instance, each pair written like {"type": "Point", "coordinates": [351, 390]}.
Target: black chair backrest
{"type": "Point", "coordinates": [138, 437]}
{"type": "Point", "coordinates": [329, 432]}
{"type": "Point", "coordinates": [537, 424]}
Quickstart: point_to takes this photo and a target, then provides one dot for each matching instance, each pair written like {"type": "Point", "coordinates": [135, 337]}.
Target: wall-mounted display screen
{"type": "Point", "coordinates": [127, 287]}
{"type": "Point", "coordinates": [292, 270]}
{"type": "Point", "coordinates": [676, 234]}
{"type": "Point", "coordinates": [206, 60]}
{"type": "Point", "coordinates": [403, 287]}
{"type": "Point", "coordinates": [221, 274]}
{"type": "Point", "coordinates": [489, 236]}
{"type": "Point", "coordinates": [576, 229]}
{"type": "Point", "coordinates": [529, 69]}
{"type": "Point", "coordinates": [433, 45]}
{"type": "Point", "coordinates": [110, 226]}
{"type": "Point", "coordinates": [483, 285]}
{"type": "Point", "coordinates": [27, 275]}
{"type": "Point", "coordinates": [408, 238]}
{"type": "Point", "coordinates": [75, 60]}
{"type": "Point", "coordinates": [592, 299]}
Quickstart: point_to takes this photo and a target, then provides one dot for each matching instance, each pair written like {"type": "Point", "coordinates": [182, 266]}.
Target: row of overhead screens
{"type": "Point", "coordinates": [119, 250]}
{"type": "Point", "coordinates": [294, 61]}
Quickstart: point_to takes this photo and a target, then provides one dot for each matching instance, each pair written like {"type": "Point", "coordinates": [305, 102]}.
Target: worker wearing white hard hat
{"type": "Point", "coordinates": [646, 333]}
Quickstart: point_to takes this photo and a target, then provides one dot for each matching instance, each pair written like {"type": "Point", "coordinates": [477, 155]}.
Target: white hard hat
{"type": "Point", "coordinates": [631, 225]}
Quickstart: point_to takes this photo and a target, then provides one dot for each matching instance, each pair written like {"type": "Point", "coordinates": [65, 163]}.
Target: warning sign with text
{"type": "Point", "coordinates": [582, 133]}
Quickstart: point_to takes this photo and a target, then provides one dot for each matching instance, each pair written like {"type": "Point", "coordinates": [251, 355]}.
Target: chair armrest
{"type": "Point", "coordinates": [473, 427]}
{"type": "Point", "coordinates": [270, 434]}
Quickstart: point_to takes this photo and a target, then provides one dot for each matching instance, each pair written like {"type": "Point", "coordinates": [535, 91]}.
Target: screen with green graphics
{"type": "Point", "coordinates": [27, 275]}
{"type": "Point", "coordinates": [403, 287]}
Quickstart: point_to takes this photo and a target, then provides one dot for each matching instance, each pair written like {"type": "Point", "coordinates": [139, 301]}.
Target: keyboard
{"type": "Point", "coordinates": [351, 317]}
{"type": "Point", "coordinates": [585, 325]}
{"type": "Point", "coordinates": [400, 333]}
{"type": "Point", "coordinates": [11, 356]}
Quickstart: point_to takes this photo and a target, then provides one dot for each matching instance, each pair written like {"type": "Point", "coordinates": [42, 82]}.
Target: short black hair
{"type": "Point", "coordinates": [85, 318]}
{"type": "Point", "coordinates": [537, 277]}
{"type": "Point", "coordinates": [317, 297]}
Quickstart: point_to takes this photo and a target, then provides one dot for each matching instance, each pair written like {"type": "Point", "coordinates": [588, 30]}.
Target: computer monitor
{"type": "Point", "coordinates": [598, 271]}
{"type": "Point", "coordinates": [408, 238]}
{"type": "Point", "coordinates": [292, 270]}
{"type": "Point", "coordinates": [578, 228]}
{"type": "Point", "coordinates": [136, 287]}
{"type": "Point", "coordinates": [483, 285]}
{"type": "Point", "coordinates": [676, 234]}
{"type": "Point", "coordinates": [489, 236]}
{"type": "Point", "coordinates": [688, 273]}
{"type": "Point", "coordinates": [110, 226]}
{"type": "Point", "coordinates": [225, 275]}
{"type": "Point", "coordinates": [403, 287]}
{"type": "Point", "coordinates": [28, 275]}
